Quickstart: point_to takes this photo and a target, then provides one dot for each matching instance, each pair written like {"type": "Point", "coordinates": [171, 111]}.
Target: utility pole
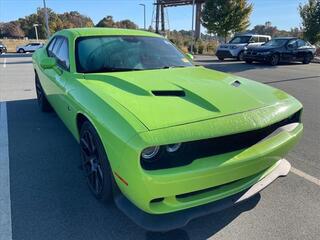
{"type": "Point", "coordinates": [192, 27]}
{"type": "Point", "coordinates": [36, 30]}
{"type": "Point", "coordinates": [144, 15]}
{"type": "Point", "coordinates": [46, 18]}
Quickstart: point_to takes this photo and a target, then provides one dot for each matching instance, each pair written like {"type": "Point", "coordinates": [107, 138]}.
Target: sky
{"type": "Point", "coordinates": [282, 13]}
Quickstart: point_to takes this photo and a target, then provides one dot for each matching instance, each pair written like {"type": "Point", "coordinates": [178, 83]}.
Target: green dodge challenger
{"type": "Point", "coordinates": [169, 141]}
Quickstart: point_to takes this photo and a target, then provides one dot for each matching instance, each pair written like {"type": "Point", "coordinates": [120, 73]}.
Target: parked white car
{"type": "Point", "coordinates": [30, 47]}
{"type": "Point", "coordinates": [235, 47]}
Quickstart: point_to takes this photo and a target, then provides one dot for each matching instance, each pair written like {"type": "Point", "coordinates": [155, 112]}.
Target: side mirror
{"type": "Point", "coordinates": [190, 56]}
{"type": "Point", "coordinates": [291, 46]}
{"type": "Point", "coordinates": [47, 63]}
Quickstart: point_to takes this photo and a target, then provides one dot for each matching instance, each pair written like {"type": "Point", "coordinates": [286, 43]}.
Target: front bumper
{"type": "Point", "coordinates": [257, 57]}
{"type": "Point", "coordinates": [170, 221]}
{"type": "Point", "coordinates": [225, 53]}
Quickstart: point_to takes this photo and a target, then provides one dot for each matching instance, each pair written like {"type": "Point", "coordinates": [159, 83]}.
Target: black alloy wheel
{"type": "Point", "coordinates": [240, 56]}
{"type": "Point", "coordinates": [95, 164]}
{"type": "Point", "coordinates": [43, 103]}
{"type": "Point", "coordinates": [274, 60]}
{"type": "Point", "coordinates": [307, 58]}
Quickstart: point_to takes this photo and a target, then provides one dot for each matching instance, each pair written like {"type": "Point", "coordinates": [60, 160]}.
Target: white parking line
{"type": "Point", "coordinates": [5, 202]}
{"type": "Point", "coordinates": [305, 176]}
{"type": "Point", "coordinates": [4, 62]}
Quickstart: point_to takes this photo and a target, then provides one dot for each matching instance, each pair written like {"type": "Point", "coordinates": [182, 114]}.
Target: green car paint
{"type": "Point", "coordinates": [129, 118]}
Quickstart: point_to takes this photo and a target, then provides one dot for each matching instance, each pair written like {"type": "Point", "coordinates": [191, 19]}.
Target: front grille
{"type": "Point", "coordinates": [190, 151]}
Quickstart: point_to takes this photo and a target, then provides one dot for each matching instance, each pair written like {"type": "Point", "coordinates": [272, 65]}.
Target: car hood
{"type": "Point", "coordinates": [263, 48]}
{"type": "Point", "coordinates": [169, 97]}
{"type": "Point", "coordinates": [228, 45]}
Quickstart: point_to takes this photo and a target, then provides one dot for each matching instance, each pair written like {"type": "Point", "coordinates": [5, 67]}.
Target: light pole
{"type": "Point", "coordinates": [144, 15]}
{"type": "Point", "coordinates": [192, 27]}
{"type": "Point", "coordinates": [46, 18]}
{"type": "Point", "coordinates": [36, 30]}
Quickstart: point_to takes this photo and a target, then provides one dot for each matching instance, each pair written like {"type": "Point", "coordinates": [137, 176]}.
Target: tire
{"type": "Point", "coordinates": [43, 103]}
{"type": "Point", "coordinates": [307, 58]}
{"type": "Point", "coordinates": [95, 163]}
{"type": "Point", "coordinates": [21, 50]}
{"type": "Point", "coordinates": [274, 60]}
{"type": "Point", "coordinates": [221, 58]}
{"type": "Point", "coordinates": [240, 56]}
{"type": "Point", "coordinates": [248, 61]}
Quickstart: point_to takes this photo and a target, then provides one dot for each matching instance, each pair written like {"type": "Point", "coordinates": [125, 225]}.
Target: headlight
{"type": "Point", "coordinates": [150, 152]}
{"type": "Point", "coordinates": [173, 147]}
{"type": "Point", "coordinates": [233, 47]}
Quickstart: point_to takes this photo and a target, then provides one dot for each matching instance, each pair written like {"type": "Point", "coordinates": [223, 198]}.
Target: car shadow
{"type": "Point", "coordinates": [49, 196]}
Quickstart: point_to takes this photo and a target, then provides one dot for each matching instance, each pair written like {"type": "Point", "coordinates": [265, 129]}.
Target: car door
{"type": "Point", "coordinates": [58, 75]}
{"type": "Point", "coordinates": [303, 49]}
{"type": "Point", "coordinates": [27, 47]}
{"type": "Point", "coordinates": [33, 47]}
{"type": "Point", "coordinates": [290, 51]}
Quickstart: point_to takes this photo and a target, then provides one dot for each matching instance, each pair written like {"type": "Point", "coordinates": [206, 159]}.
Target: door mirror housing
{"type": "Point", "coordinates": [190, 56]}
{"type": "Point", "coordinates": [290, 46]}
{"type": "Point", "coordinates": [47, 63]}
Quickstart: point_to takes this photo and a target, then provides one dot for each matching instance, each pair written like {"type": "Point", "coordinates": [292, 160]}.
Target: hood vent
{"type": "Point", "coordinates": [169, 93]}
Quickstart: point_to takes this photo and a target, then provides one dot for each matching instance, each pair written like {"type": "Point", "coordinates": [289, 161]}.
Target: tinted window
{"type": "Point", "coordinates": [240, 39]}
{"type": "Point", "coordinates": [50, 46]}
{"type": "Point", "coordinates": [301, 43]}
{"type": "Point", "coordinates": [63, 54]}
{"type": "Point", "coordinates": [254, 39]}
{"type": "Point", "coordinates": [127, 53]}
{"type": "Point", "coordinates": [276, 42]}
{"type": "Point", "coordinates": [56, 47]}
{"type": "Point", "coordinates": [293, 43]}
{"type": "Point", "coordinates": [263, 39]}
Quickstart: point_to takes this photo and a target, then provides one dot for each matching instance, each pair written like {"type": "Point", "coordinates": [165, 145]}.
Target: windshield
{"type": "Point", "coordinates": [276, 42]}
{"type": "Point", "coordinates": [240, 39]}
{"type": "Point", "coordinates": [126, 53]}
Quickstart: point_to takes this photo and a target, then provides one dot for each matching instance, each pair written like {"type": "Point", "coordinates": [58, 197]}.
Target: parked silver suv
{"type": "Point", "coordinates": [235, 47]}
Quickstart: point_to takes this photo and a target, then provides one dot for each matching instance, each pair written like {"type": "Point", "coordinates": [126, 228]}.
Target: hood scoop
{"type": "Point", "coordinates": [169, 93]}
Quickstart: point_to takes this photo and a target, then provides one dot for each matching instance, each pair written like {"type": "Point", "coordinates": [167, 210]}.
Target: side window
{"type": "Point", "coordinates": [255, 39]}
{"type": "Point", "coordinates": [263, 39]}
{"type": "Point", "coordinates": [50, 47]}
{"type": "Point", "coordinates": [56, 47]}
{"type": "Point", "coordinates": [63, 55]}
{"type": "Point", "coordinates": [301, 43]}
{"type": "Point", "coordinates": [293, 44]}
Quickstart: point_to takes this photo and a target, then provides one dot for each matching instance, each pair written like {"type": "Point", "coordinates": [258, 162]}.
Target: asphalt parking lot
{"type": "Point", "coordinates": [50, 200]}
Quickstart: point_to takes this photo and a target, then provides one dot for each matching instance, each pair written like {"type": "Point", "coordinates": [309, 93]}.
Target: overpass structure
{"type": "Point", "coordinates": [162, 4]}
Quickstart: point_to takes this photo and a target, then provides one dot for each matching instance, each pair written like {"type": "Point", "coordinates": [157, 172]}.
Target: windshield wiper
{"type": "Point", "coordinates": [168, 67]}
{"type": "Point", "coordinates": [115, 70]}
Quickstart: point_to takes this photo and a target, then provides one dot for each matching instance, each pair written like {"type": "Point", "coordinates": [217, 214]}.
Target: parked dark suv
{"type": "Point", "coordinates": [282, 49]}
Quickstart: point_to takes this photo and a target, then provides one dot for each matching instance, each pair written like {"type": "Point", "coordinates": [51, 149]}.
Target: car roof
{"type": "Point", "coordinates": [100, 31]}
{"type": "Point", "coordinates": [287, 38]}
{"type": "Point", "coordinates": [251, 34]}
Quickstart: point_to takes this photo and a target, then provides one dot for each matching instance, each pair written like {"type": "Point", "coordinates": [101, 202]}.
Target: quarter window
{"type": "Point", "coordinates": [50, 47]}
{"type": "Point", "coordinates": [63, 54]}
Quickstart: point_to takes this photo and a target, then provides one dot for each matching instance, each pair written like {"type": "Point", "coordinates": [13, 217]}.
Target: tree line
{"type": "Point", "coordinates": [24, 27]}
{"type": "Point", "coordinates": [222, 18]}
{"type": "Point", "coordinates": [227, 17]}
